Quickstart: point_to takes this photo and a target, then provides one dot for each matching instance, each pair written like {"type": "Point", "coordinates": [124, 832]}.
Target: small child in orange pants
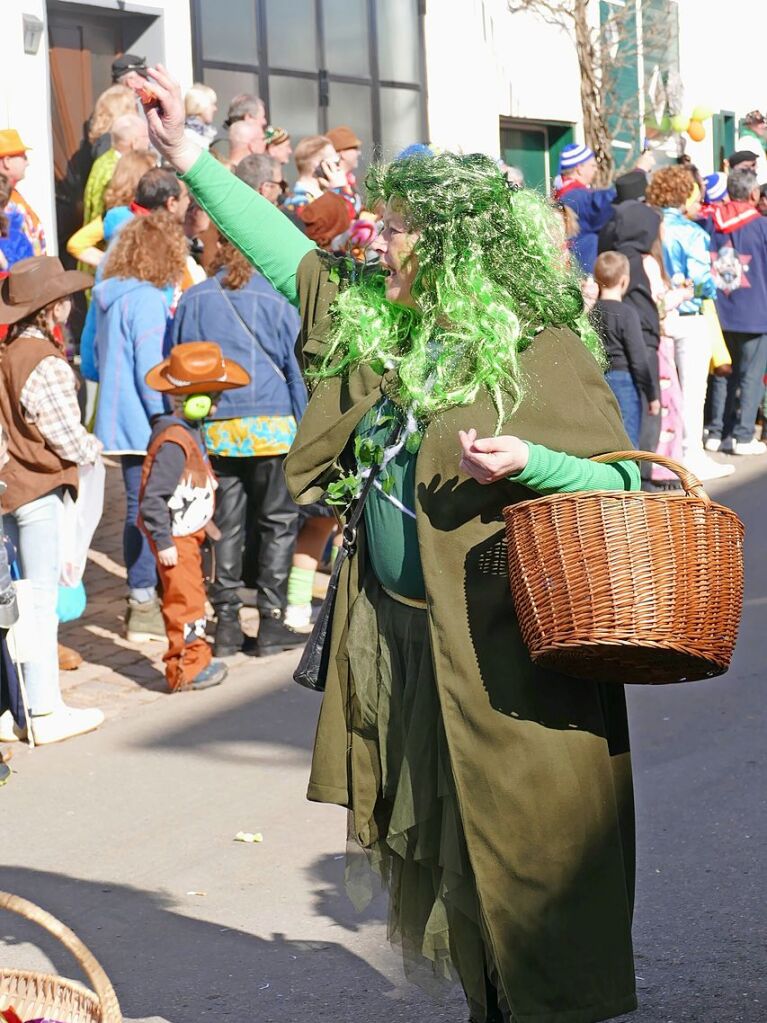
{"type": "Point", "coordinates": [176, 503]}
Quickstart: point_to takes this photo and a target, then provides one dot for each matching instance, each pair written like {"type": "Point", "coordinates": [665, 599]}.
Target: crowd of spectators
{"type": "Point", "coordinates": [674, 272]}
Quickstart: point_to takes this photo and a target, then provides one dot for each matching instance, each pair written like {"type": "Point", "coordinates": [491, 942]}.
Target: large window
{"type": "Point", "coordinates": [320, 63]}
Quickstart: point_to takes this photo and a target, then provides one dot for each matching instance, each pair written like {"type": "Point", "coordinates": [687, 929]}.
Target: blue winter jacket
{"type": "Point", "coordinates": [685, 252]}
{"type": "Point", "coordinates": [593, 207]}
{"type": "Point", "coordinates": [131, 323]}
{"type": "Point", "coordinates": [739, 264]}
{"type": "Point", "coordinates": [204, 314]}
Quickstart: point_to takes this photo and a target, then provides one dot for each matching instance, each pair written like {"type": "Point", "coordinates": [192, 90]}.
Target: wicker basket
{"type": "Point", "coordinates": [34, 995]}
{"type": "Point", "coordinates": [628, 587]}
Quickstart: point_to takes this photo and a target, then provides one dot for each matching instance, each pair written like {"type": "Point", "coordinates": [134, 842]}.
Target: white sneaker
{"type": "Point", "coordinates": [299, 617]}
{"type": "Point", "coordinates": [750, 447]}
{"type": "Point", "coordinates": [708, 469]}
{"type": "Point", "coordinates": [712, 443]}
{"type": "Point", "coordinates": [65, 722]}
{"type": "Point", "coordinates": [9, 730]}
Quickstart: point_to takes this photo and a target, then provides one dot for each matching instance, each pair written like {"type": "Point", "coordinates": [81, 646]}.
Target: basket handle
{"type": "Point", "coordinates": [110, 1007]}
{"type": "Point", "coordinates": [689, 480]}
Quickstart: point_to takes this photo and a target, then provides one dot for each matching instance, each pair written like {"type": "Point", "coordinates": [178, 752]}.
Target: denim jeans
{"type": "Point", "coordinates": [139, 560]}
{"type": "Point", "coordinates": [745, 387]}
{"type": "Point", "coordinates": [34, 531]}
{"type": "Point", "coordinates": [627, 395]}
{"type": "Point", "coordinates": [716, 400]}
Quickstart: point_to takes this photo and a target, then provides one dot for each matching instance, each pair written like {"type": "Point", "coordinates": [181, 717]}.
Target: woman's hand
{"type": "Point", "coordinates": [490, 459]}
{"type": "Point", "coordinates": [653, 407]}
{"type": "Point", "coordinates": [4, 456]}
{"type": "Point", "coordinates": [168, 557]}
{"type": "Point", "coordinates": [163, 105]}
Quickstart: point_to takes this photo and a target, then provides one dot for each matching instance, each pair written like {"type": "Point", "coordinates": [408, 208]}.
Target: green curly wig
{"type": "Point", "coordinates": [491, 274]}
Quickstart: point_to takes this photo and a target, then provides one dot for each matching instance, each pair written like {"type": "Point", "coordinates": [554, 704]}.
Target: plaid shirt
{"type": "Point", "coordinates": [49, 400]}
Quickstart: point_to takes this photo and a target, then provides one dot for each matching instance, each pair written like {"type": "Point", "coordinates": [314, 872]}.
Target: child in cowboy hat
{"type": "Point", "coordinates": [176, 503]}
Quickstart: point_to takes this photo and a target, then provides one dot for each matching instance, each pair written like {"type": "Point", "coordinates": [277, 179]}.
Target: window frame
{"type": "Point", "coordinates": [262, 70]}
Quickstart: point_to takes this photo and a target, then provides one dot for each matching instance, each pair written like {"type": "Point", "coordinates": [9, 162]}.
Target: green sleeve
{"type": "Point", "coordinates": [261, 232]}
{"type": "Point", "coordinates": [554, 472]}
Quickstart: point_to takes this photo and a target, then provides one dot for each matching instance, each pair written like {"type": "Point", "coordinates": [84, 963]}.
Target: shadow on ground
{"type": "Point", "coordinates": [163, 963]}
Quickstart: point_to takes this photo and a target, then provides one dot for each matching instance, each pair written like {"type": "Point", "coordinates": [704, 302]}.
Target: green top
{"type": "Point", "coordinates": [390, 517]}
{"type": "Point", "coordinates": [276, 247]}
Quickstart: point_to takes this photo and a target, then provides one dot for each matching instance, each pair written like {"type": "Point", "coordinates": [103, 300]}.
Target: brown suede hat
{"type": "Point", "coordinates": [34, 283]}
{"type": "Point", "coordinates": [196, 367]}
{"type": "Point", "coordinates": [343, 138]}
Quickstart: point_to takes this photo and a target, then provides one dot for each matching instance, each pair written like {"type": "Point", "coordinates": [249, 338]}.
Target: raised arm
{"type": "Point", "coordinates": [254, 225]}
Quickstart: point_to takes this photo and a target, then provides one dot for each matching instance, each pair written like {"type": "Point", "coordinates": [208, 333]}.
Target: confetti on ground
{"type": "Point", "coordinates": [248, 836]}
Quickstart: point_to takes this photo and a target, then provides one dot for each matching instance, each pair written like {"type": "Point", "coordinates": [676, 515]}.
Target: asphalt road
{"type": "Point", "coordinates": [127, 835]}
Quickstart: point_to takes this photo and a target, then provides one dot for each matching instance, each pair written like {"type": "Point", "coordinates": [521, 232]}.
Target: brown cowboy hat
{"type": "Point", "coordinates": [34, 283]}
{"type": "Point", "coordinates": [196, 367]}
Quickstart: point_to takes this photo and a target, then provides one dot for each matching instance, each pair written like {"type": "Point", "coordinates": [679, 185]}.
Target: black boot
{"type": "Point", "coordinates": [274, 636]}
{"type": "Point", "coordinates": [228, 637]}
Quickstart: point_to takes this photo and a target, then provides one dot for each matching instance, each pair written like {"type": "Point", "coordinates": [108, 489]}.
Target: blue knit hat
{"type": "Point", "coordinates": [716, 187]}
{"type": "Point", "coordinates": [573, 155]}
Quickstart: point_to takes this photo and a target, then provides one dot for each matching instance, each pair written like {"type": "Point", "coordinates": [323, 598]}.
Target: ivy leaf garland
{"type": "Point", "coordinates": [369, 454]}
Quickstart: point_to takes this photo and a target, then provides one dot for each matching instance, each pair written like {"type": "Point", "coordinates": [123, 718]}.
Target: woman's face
{"type": "Point", "coordinates": [281, 152]}
{"type": "Point", "coordinates": [394, 246]}
{"type": "Point", "coordinates": [60, 312]}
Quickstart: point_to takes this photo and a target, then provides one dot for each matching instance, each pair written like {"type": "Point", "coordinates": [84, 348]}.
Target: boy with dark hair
{"type": "Point", "coordinates": [176, 503]}
{"type": "Point", "coordinates": [629, 375]}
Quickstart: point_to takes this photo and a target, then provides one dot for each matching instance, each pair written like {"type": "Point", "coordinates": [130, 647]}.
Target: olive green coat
{"type": "Point", "coordinates": [541, 763]}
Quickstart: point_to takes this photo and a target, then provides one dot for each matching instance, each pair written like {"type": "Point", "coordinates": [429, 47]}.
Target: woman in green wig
{"type": "Point", "coordinates": [493, 797]}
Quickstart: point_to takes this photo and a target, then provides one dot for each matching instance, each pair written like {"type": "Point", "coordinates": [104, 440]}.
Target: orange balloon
{"type": "Point", "coordinates": [696, 131]}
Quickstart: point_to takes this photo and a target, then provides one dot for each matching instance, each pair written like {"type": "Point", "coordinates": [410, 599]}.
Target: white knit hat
{"type": "Point", "coordinates": [574, 154]}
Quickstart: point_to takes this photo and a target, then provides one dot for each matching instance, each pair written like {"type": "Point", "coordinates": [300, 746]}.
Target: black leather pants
{"type": "Point", "coordinates": [253, 490]}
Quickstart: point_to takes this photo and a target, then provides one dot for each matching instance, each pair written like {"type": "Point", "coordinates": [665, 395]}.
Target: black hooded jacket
{"type": "Point", "coordinates": [633, 231]}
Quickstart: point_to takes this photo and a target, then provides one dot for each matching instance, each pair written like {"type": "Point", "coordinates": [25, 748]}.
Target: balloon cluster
{"type": "Point", "coordinates": [691, 123]}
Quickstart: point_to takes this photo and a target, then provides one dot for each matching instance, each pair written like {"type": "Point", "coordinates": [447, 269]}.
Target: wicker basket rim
{"type": "Point", "coordinates": [38, 977]}
{"type": "Point", "coordinates": [625, 495]}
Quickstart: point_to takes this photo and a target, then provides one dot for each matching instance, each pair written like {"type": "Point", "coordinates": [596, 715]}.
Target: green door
{"type": "Point", "coordinates": [723, 125]}
{"type": "Point", "coordinates": [526, 148]}
{"type": "Point", "coordinates": [535, 149]}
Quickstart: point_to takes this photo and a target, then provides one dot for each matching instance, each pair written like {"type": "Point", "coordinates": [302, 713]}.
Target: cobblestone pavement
{"type": "Point", "coordinates": [116, 675]}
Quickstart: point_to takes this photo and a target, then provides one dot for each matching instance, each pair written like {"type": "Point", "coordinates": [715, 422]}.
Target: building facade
{"type": "Point", "coordinates": [462, 74]}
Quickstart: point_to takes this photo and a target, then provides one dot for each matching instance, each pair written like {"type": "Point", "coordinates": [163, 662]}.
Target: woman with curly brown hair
{"type": "Point", "coordinates": [133, 302]}
{"type": "Point", "coordinates": [674, 192]}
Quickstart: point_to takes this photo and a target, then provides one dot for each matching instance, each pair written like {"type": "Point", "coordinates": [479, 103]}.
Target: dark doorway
{"type": "Point", "coordinates": [83, 41]}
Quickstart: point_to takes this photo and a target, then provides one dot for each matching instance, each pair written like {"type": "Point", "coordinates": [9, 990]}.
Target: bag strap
{"type": "Point", "coordinates": [249, 332]}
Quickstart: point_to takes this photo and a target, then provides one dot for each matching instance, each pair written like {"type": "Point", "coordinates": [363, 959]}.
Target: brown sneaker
{"type": "Point", "coordinates": [69, 659]}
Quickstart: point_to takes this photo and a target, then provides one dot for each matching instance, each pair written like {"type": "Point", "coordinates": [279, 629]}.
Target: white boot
{"type": "Point", "coordinates": [9, 730]}
{"type": "Point", "coordinates": [64, 722]}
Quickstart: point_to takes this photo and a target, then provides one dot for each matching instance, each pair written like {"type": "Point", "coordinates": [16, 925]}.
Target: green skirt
{"type": "Point", "coordinates": [422, 860]}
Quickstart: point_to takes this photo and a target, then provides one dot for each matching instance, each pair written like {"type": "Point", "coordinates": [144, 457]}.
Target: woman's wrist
{"type": "Point", "coordinates": [184, 155]}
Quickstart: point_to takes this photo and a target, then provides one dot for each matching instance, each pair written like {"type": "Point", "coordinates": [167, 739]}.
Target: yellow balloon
{"type": "Point", "coordinates": [701, 113]}
{"type": "Point", "coordinates": [680, 123]}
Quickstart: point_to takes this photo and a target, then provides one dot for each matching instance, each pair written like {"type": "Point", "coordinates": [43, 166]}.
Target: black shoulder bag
{"type": "Point", "coordinates": [312, 670]}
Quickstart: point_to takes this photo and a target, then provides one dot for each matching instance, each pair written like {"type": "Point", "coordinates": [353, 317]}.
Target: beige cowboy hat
{"type": "Point", "coordinates": [196, 367]}
{"type": "Point", "coordinates": [34, 283]}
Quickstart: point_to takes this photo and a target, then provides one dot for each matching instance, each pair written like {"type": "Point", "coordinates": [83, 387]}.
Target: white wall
{"type": "Point", "coordinates": [483, 63]}
{"type": "Point", "coordinates": [25, 89]}
{"type": "Point", "coordinates": [25, 105]}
